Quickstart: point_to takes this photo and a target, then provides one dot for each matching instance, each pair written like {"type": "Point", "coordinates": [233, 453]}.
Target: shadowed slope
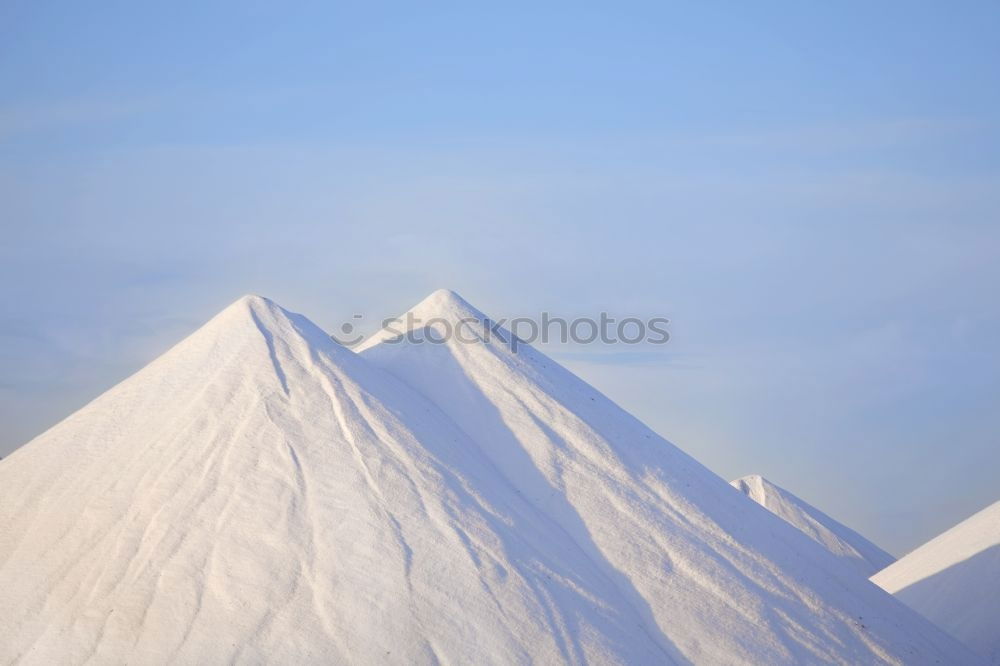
{"type": "Point", "coordinates": [725, 580]}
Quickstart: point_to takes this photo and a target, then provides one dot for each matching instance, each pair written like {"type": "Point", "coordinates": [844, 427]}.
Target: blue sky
{"type": "Point", "coordinates": [811, 194]}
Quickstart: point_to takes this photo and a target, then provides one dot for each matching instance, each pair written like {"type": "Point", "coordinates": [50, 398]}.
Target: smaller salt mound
{"type": "Point", "coordinates": [857, 551]}
{"type": "Point", "coordinates": [954, 580]}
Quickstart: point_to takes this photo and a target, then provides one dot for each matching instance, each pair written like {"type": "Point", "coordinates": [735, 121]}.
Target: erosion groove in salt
{"type": "Point", "coordinates": [261, 494]}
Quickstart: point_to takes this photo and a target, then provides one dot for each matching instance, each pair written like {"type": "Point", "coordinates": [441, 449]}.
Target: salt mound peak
{"type": "Point", "coordinates": [248, 305]}
{"type": "Point", "coordinates": [261, 320]}
{"type": "Point", "coordinates": [443, 302]}
{"type": "Point", "coordinates": [442, 306]}
{"type": "Point", "coordinates": [250, 313]}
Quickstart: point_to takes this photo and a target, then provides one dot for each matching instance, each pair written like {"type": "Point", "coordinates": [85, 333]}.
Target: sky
{"type": "Point", "coordinates": [809, 191]}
